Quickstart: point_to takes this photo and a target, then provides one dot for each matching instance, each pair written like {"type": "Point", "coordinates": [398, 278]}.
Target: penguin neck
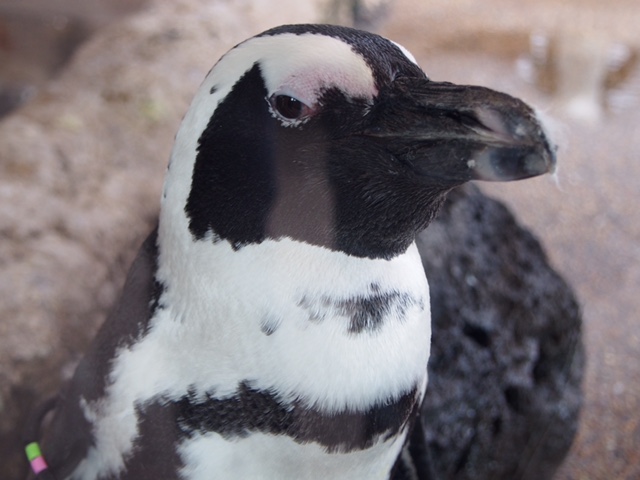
{"type": "Point", "coordinates": [335, 330]}
{"type": "Point", "coordinates": [275, 268]}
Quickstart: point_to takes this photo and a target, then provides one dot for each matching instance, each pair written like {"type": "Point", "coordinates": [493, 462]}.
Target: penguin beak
{"type": "Point", "coordinates": [456, 133]}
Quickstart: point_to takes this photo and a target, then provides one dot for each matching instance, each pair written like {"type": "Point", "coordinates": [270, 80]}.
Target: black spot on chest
{"type": "Point", "coordinates": [366, 313]}
{"type": "Point", "coordinates": [251, 410]}
{"type": "Point", "coordinates": [369, 313]}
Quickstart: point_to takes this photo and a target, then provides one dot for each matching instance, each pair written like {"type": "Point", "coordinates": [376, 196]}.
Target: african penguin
{"type": "Point", "coordinates": [276, 324]}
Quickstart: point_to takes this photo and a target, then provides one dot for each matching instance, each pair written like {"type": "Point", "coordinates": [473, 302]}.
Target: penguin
{"type": "Point", "coordinates": [276, 322]}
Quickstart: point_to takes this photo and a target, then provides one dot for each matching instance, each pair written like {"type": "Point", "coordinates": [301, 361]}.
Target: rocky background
{"type": "Point", "coordinates": [81, 166]}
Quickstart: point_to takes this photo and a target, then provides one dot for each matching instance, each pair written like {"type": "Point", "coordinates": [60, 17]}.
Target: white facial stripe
{"type": "Point", "coordinates": [406, 52]}
{"type": "Point", "coordinates": [303, 65]}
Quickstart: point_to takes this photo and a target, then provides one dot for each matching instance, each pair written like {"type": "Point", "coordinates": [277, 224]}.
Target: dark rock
{"type": "Point", "coordinates": [507, 357]}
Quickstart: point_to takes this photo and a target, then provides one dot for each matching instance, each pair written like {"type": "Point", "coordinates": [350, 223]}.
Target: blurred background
{"type": "Point", "coordinates": [576, 60]}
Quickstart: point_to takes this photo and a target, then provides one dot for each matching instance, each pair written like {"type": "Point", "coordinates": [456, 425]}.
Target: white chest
{"type": "Point", "coordinates": [264, 457]}
{"type": "Point", "coordinates": [328, 337]}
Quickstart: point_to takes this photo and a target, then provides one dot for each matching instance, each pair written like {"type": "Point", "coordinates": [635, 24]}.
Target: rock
{"type": "Point", "coordinates": [507, 358]}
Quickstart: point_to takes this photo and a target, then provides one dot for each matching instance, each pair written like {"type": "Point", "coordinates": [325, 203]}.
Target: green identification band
{"type": "Point", "coordinates": [33, 451]}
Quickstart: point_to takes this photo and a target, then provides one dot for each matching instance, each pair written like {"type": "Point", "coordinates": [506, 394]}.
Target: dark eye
{"type": "Point", "coordinates": [289, 107]}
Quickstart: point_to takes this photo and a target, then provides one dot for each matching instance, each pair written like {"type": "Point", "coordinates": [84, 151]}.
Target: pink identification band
{"type": "Point", "coordinates": [38, 465]}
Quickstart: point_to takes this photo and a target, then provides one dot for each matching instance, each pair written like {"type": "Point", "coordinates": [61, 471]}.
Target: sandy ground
{"type": "Point", "coordinates": [589, 221]}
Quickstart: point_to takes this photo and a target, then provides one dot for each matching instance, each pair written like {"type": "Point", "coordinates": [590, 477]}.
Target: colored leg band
{"type": "Point", "coordinates": [38, 465]}
{"type": "Point", "coordinates": [35, 457]}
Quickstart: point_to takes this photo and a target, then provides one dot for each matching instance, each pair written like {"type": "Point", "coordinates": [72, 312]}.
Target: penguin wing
{"type": "Point", "coordinates": [69, 435]}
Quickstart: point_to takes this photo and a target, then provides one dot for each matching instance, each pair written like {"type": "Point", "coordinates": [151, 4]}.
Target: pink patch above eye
{"type": "Point", "coordinates": [307, 86]}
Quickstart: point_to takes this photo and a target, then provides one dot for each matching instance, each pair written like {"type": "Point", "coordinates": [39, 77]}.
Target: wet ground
{"type": "Point", "coordinates": [576, 60]}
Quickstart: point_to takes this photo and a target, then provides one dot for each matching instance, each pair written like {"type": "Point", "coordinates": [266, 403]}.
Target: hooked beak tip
{"type": "Point", "coordinates": [514, 163]}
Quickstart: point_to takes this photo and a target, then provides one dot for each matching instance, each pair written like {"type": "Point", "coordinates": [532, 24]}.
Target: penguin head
{"type": "Point", "coordinates": [335, 137]}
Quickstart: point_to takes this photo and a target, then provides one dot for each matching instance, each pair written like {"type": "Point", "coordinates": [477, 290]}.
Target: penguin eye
{"type": "Point", "coordinates": [288, 107]}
